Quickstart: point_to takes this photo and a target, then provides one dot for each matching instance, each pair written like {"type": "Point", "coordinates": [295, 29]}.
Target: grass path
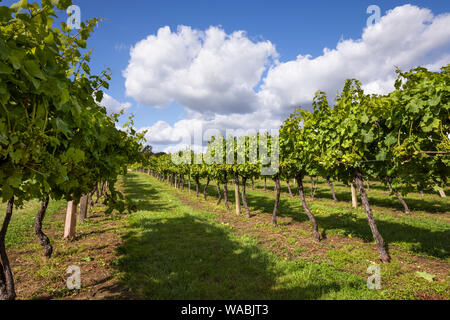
{"type": "Point", "coordinates": [174, 251]}
{"type": "Point", "coordinates": [205, 252]}
{"type": "Point", "coordinates": [179, 247]}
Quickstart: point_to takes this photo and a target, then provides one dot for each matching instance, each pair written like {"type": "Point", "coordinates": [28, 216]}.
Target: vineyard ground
{"type": "Point", "coordinates": [179, 247]}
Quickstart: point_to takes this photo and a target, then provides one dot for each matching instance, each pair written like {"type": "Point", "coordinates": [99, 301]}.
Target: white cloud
{"type": "Point", "coordinates": [219, 78]}
{"type": "Point", "coordinates": [112, 105]}
{"type": "Point", "coordinates": [406, 37]}
{"type": "Point", "coordinates": [163, 133]}
{"type": "Point", "coordinates": [205, 71]}
{"type": "Point", "coordinates": [183, 147]}
{"type": "Point", "coordinates": [196, 132]}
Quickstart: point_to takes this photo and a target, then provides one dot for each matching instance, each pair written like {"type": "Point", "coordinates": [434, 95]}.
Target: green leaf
{"type": "Point", "coordinates": [81, 43]}
{"type": "Point", "coordinates": [390, 140]}
{"type": "Point", "coordinates": [49, 39]}
{"type": "Point", "coordinates": [15, 58]}
{"type": "Point", "coordinates": [62, 126]}
{"type": "Point", "coordinates": [381, 156]}
{"type": "Point", "coordinates": [33, 68]}
{"type": "Point", "coordinates": [5, 69]}
{"type": "Point", "coordinates": [364, 118]}
{"type": "Point", "coordinates": [427, 276]}
{"type": "Point", "coordinates": [99, 96]}
{"type": "Point", "coordinates": [2, 88]}
{"type": "Point", "coordinates": [76, 155]}
{"type": "Point", "coordinates": [19, 5]}
{"type": "Point", "coordinates": [65, 96]}
{"type": "Point", "coordinates": [15, 180]}
{"type": "Point", "coordinates": [5, 13]}
{"type": "Point", "coordinates": [367, 136]}
{"type": "Point", "coordinates": [86, 68]}
{"type": "Point", "coordinates": [414, 106]}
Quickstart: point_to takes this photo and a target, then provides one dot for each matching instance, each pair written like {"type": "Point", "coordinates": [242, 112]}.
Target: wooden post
{"type": "Point", "coordinates": [83, 208]}
{"type": "Point", "coordinates": [354, 196]}
{"type": "Point", "coordinates": [71, 221]}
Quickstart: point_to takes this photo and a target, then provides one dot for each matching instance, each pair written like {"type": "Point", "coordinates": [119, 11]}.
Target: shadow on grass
{"type": "Point", "coordinates": [144, 193]}
{"type": "Point", "coordinates": [416, 239]}
{"type": "Point", "coordinates": [380, 200]}
{"type": "Point", "coordinates": [177, 255]}
{"type": "Point", "coordinates": [390, 202]}
{"type": "Point", "coordinates": [188, 258]}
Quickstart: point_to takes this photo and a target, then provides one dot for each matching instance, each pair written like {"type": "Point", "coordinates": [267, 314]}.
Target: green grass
{"type": "Point", "coordinates": [172, 251]}
{"type": "Point", "coordinates": [424, 233]}
{"type": "Point", "coordinates": [178, 234]}
{"type": "Point", "coordinates": [21, 228]}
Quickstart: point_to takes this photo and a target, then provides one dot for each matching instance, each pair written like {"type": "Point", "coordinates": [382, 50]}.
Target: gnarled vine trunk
{"type": "Point", "coordinates": [84, 203]}
{"type": "Point", "coordinates": [91, 199]}
{"type": "Point", "coordinates": [389, 184]}
{"type": "Point", "coordinates": [277, 201]}
{"type": "Point", "coordinates": [189, 184]}
{"type": "Point", "coordinates": [332, 189]}
{"type": "Point", "coordinates": [399, 196]}
{"type": "Point", "coordinates": [97, 191]}
{"type": "Point", "coordinates": [7, 291]}
{"type": "Point", "coordinates": [102, 189]}
{"type": "Point", "coordinates": [244, 196]}
{"type": "Point", "coordinates": [225, 195]}
{"type": "Point", "coordinates": [289, 188]}
{"type": "Point", "coordinates": [205, 188]}
{"type": "Point", "coordinates": [43, 239]}
{"type": "Point", "coordinates": [197, 186]}
{"type": "Point", "coordinates": [382, 248]}
{"type": "Point", "coordinates": [219, 194]}
{"type": "Point", "coordinates": [402, 201]}
{"type": "Point", "coordinates": [308, 212]}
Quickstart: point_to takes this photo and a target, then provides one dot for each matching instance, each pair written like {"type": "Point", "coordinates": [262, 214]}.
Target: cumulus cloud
{"type": "Point", "coordinates": [112, 105]}
{"type": "Point", "coordinates": [163, 133]}
{"type": "Point", "coordinates": [205, 71]}
{"type": "Point", "coordinates": [406, 37]}
{"type": "Point", "coordinates": [198, 131]}
{"type": "Point", "coordinates": [226, 81]}
{"type": "Point", "coordinates": [184, 147]}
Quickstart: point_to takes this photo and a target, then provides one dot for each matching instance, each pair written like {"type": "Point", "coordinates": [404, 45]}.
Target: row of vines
{"type": "Point", "coordinates": [56, 141]}
{"type": "Point", "coordinates": [400, 139]}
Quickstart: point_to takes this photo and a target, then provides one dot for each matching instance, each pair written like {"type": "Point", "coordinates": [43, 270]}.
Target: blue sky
{"type": "Point", "coordinates": [295, 27]}
{"type": "Point", "coordinates": [292, 27]}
